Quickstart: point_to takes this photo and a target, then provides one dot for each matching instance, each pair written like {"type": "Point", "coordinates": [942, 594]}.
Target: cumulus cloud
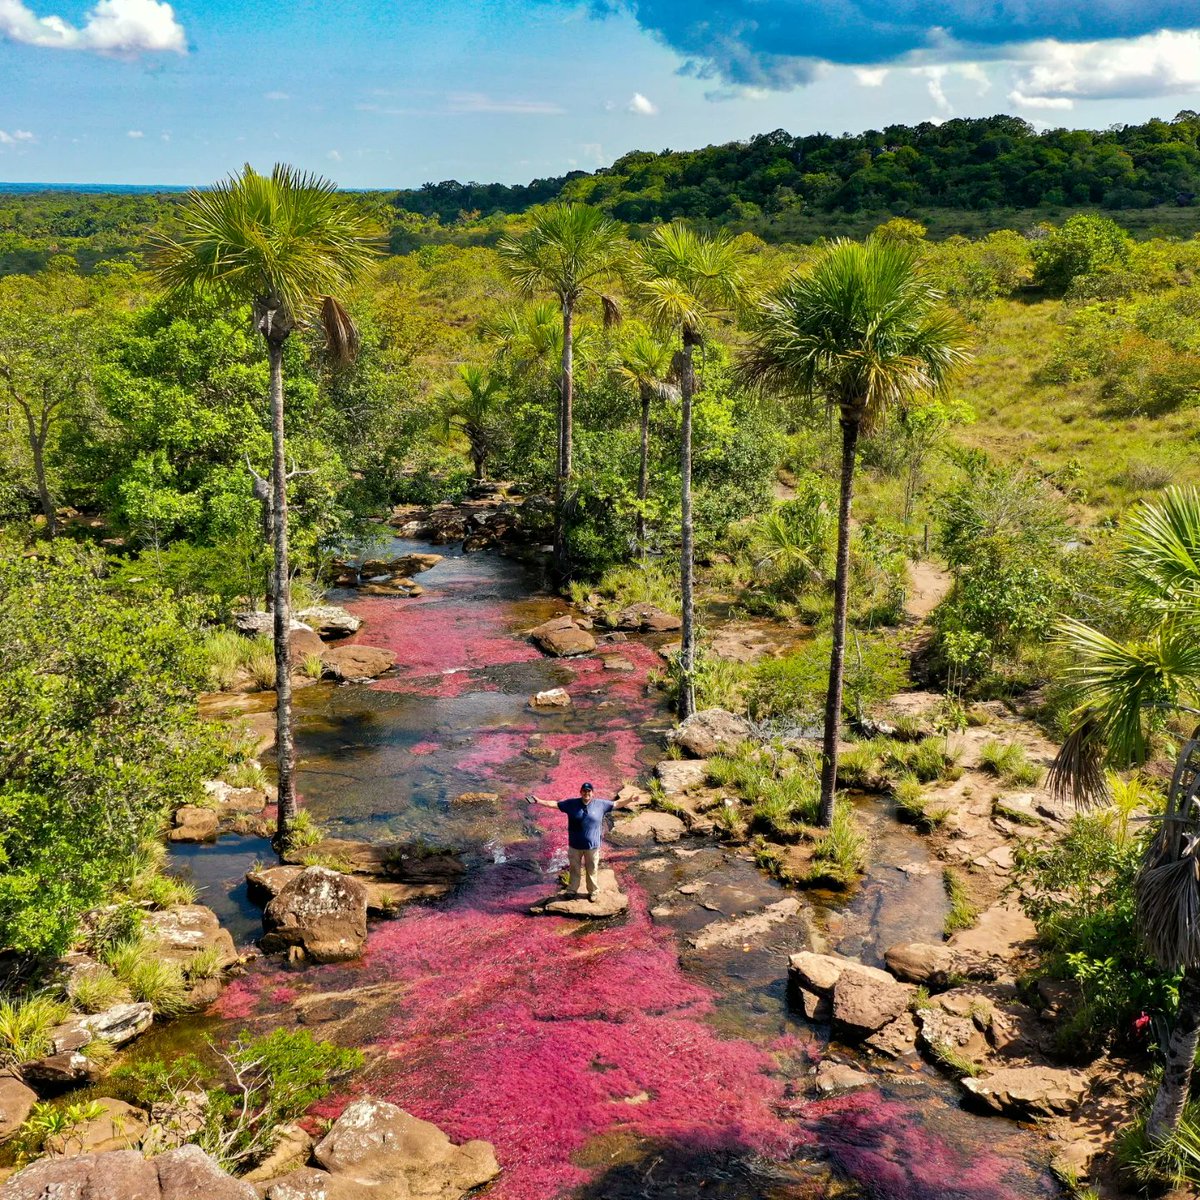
{"type": "Point", "coordinates": [136, 134]}
{"type": "Point", "coordinates": [640, 105]}
{"type": "Point", "coordinates": [116, 27]}
{"type": "Point", "coordinates": [871, 76]}
{"type": "Point", "coordinates": [780, 44]}
{"type": "Point", "coordinates": [1055, 74]}
{"type": "Point", "coordinates": [16, 138]}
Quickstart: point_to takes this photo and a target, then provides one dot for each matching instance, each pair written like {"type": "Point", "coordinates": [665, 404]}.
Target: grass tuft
{"type": "Point", "coordinates": [963, 913]}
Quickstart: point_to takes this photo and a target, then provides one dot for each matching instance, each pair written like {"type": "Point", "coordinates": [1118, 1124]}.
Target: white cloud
{"type": "Point", "coordinates": [935, 76]}
{"type": "Point", "coordinates": [871, 76]}
{"type": "Point", "coordinates": [276, 96]}
{"type": "Point", "coordinates": [1157, 64]}
{"type": "Point", "coordinates": [643, 107]}
{"type": "Point", "coordinates": [334, 156]}
{"type": "Point", "coordinates": [166, 137]}
{"type": "Point", "coordinates": [16, 138]}
{"type": "Point", "coordinates": [117, 27]}
{"type": "Point", "coordinates": [136, 134]}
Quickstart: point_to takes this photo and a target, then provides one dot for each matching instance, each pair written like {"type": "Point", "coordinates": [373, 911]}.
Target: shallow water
{"type": "Point", "coordinates": [601, 1060]}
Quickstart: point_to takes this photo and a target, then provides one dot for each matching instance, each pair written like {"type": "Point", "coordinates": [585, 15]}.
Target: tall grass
{"type": "Point", "coordinates": [149, 978]}
{"type": "Point", "coordinates": [840, 854]}
{"type": "Point", "coordinates": [1009, 763]}
{"type": "Point", "coordinates": [25, 1027]}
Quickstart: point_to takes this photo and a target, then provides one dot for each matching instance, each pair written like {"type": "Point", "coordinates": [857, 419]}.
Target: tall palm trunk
{"type": "Point", "coordinates": [275, 329]}
{"type": "Point", "coordinates": [1179, 1059]}
{"type": "Point", "coordinates": [687, 651]}
{"type": "Point", "coordinates": [566, 431]}
{"type": "Point", "coordinates": [841, 594]}
{"type": "Point", "coordinates": [643, 487]}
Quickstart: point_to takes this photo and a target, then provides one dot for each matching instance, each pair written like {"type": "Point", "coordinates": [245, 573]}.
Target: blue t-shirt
{"type": "Point", "coordinates": [585, 822]}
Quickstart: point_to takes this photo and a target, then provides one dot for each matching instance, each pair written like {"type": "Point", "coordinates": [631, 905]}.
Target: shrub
{"type": "Point", "coordinates": [25, 1026]}
{"type": "Point", "coordinates": [791, 690]}
{"type": "Point", "coordinates": [1079, 892]}
{"type": "Point", "coordinates": [1172, 1163]}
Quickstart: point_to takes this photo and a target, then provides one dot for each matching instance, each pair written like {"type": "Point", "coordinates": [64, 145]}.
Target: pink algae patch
{"type": "Point", "coordinates": [432, 638]}
{"type": "Point", "coordinates": [423, 748]}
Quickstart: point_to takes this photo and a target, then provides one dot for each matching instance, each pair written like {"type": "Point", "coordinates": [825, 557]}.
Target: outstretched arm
{"type": "Point", "coordinates": [532, 799]}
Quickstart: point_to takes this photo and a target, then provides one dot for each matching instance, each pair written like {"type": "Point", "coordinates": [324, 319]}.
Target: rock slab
{"type": "Point", "coordinates": [321, 911]}
{"type": "Point", "coordinates": [710, 731]}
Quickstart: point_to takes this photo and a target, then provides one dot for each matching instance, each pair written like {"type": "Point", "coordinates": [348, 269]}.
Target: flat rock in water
{"type": "Point", "coordinates": [194, 824]}
{"type": "Point", "coordinates": [647, 826]}
{"type": "Point", "coordinates": [262, 624]}
{"type": "Point", "coordinates": [264, 884]}
{"type": "Point", "coordinates": [408, 564]}
{"type": "Point", "coordinates": [745, 929]}
{"type": "Point", "coordinates": [840, 1077]}
{"type": "Point", "coordinates": [322, 912]}
{"type": "Point", "coordinates": [386, 899]}
{"type": "Point", "coordinates": [552, 698]}
{"type": "Point", "coordinates": [475, 799]}
{"type": "Point", "coordinates": [562, 637]}
{"type": "Point", "coordinates": [863, 1004]}
{"type": "Point", "coordinates": [351, 663]}
{"type": "Point", "coordinates": [610, 901]}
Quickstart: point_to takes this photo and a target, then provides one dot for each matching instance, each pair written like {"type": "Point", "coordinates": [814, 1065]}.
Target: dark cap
{"type": "Point", "coordinates": [587, 787]}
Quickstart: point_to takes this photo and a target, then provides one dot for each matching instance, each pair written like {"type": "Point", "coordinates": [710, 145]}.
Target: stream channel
{"type": "Point", "coordinates": [601, 1059]}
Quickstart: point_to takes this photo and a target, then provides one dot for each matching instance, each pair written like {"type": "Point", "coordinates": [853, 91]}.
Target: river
{"type": "Point", "coordinates": [602, 1060]}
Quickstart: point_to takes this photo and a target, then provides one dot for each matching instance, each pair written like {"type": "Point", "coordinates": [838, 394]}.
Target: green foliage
{"type": "Point", "coordinates": [1079, 892]}
{"type": "Point", "coordinates": [304, 832]}
{"type": "Point", "coordinates": [96, 989]}
{"type": "Point", "coordinates": [912, 806]}
{"type": "Point", "coordinates": [25, 1026]}
{"type": "Point", "coordinates": [779, 788]}
{"type": "Point", "coordinates": [147, 976]}
{"type": "Point", "coordinates": [791, 690]}
{"type": "Point", "coordinates": [1009, 763]}
{"type": "Point", "coordinates": [1083, 245]}
{"type": "Point", "coordinates": [1172, 1163]}
{"type": "Point", "coordinates": [98, 738]}
{"type": "Point", "coordinates": [839, 856]}
{"type": "Point", "coordinates": [963, 913]}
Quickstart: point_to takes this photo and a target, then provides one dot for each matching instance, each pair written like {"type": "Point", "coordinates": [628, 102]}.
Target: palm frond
{"type": "Point", "coordinates": [341, 334]}
{"type": "Point", "coordinates": [1161, 551]}
{"type": "Point", "coordinates": [568, 251]}
{"type": "Point", "coordinates": [1078, 772]}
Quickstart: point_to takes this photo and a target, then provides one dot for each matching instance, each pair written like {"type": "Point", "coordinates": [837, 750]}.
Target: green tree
{"type": "Point", "coordinates": [473, 408]}
{"type": "Point", "coordinates": [282, 243]}
{"type": "Point", "coordinates": [1126, 691]}
{"type": "Point", "coordinates": [646, 365]}
{"type": "Point", "coordinates": [99, 737]}
{"type": "Point", "coordinates": [687, 283]}
{"type": "Point", "coordinates": [50, 327]}
{"type": "Point", "coordinates": [865, 331]}
{"type": "Point", "coordinates": [1083, 245]}
{"type": "Point", "coordinates": [570, 252]}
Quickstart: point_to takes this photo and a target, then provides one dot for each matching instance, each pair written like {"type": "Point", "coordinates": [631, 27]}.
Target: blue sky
{"type": "Point", "coordinates": [379, 94]}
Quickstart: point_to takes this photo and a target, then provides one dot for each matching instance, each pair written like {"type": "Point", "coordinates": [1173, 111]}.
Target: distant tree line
{"type": "Point", "coordinates": [985, 163]}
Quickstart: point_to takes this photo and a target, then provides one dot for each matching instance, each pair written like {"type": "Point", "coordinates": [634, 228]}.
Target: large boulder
{"type": "Point", "coordinates": [265, 883]}
{"type": "Point", "coordinates": [330, 620]}
{"type": "Point", "coordinates": [356, 663]}
{"type": "Point", "coordinates": [193, 823]}
{"type": "Point", "coordinates": [711, 731]}
{"type": "Point", "coordinates": [863, 1002]}
{"type": "Point", "coordinates": [562, 637]}
{"type": "Point", "coordinates": [921, 962]}
{"type": "Point", "coordinates": [311, 1183]}
{"type": "Point", "coordinates": [63, 1069]}
{"type": "Point", "coordinates": [121, 1023]}
{"type": "Point", "coordinates": [291, 1150]}
{"type": "Point", "coordinates": [378, 1145]}
{"type": "Point", "coordinates": [405, 564]}
{"type": "Point", "coordinates": [189, 1174]}
{"type": "Point", "coordinates": [186, 930]}
{"type": "Point", "coordinates": [645, 618]}
{"type": "Point", "coordinates": [1026, 1092]}
{"type": "Point", "coordinates": [322, 912]}
{"type": "Point", "coordinates": [16, 1103]}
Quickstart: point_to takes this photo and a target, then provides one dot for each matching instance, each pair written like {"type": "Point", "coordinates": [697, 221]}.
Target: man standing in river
{"type": "Point", "coordinates": [585, 830]}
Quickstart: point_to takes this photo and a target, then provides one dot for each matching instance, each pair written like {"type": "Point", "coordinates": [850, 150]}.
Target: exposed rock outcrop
{"type": "Point", "coordinates": [322, 912]}
{"type": "Point", "coordinates": [562, 637]}
{"type": "Point", "coordinates": [352, 664]}
{"type": "Point", "coordinates": [609, 901]}
{"type": "Point", "coordinates": [1029, 1091]}
{"type": "Point", "coordinates": [331, 620]}
{"type": "Point", "coordinates": [194, 824]}
{"type": "Point", "coordinates": [16, 1102]}
{"type": "Point", "coordinates": [710, 731]}
{"type": "Point", "coordinates": [187, 930]}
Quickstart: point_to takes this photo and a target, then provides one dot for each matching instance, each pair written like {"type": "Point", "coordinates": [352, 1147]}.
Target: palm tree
{"type": "Point", "coordinates": [570, 251]}
{"type": "Point", "coordinates": [280, 243]}
{"type": "Point", "coordinates": [864, 330]}
{"type": "Point", "coordinates": [472, 410]}
{"type": "Point", "coordinates": [686, 283]}
{"type": "Point", "coordinates": [1126, 691]}
{"type": "Point", "coordinates": [646, 363]}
